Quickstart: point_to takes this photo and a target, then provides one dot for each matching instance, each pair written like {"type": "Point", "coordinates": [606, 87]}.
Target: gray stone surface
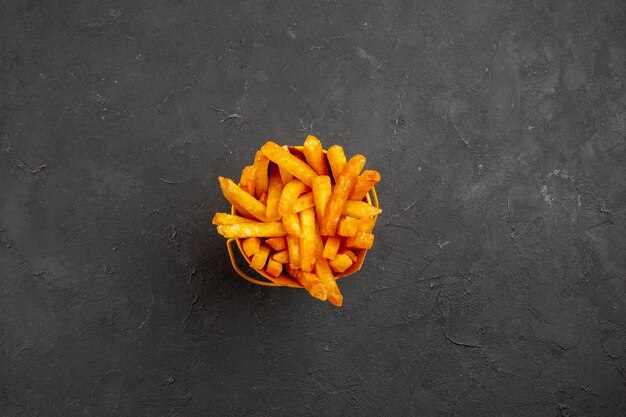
{"type": "Point", "coordinates": [497, 283]}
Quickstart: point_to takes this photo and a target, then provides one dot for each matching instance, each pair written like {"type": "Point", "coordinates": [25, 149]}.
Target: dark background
{"type": "Point", "coordinates": [497, 283]}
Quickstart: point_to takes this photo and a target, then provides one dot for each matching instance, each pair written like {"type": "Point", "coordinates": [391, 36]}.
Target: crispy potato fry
{"type": "Point", "coordinates": [347, 226]}
{"type": "Point", "coordinates": [225, 218]}
{"type": "Point", "coordinates": [360, 209]}
{"type": "Point", "coordinates": [285, 206]}
{"type": "Point", "coordinates": [315, 155]}
{"type": "Point", "coordinates": [287, 161]}
{"type": "Point", "coordinates": [323, 271]}
{"type": "Point", "coordinates": [364, 184]}
{"type": "Point", "coordinates": [246, 181]}
{"type": "Point", "coordinates": [281, 256]}
{"type": "Point", "coordinates": [242, 198]}
{"type": "Point", "coordinates": [350, 254]}
{"type": "Point", "coordinates": [260, 258]}
{"type": "Point", "coordinates": [293, 245]}
{"type": "Point", "coordinates": [303, 202]}
{"type": "Point", "coordinates": [367, 224]}
{"type": "Point", "coordinates": [331, 247]}
{"type": "Point", "coordinates": [360, 241]}
{"type": "Point", "coordinates": [274, 268]}
{"type": "Point", "coordinates": [319, 243]}
{"type": "Point", "coordinates": [274, 191]}
{"type": "Point", "coordinates": [277, 243]}
{"type": "Point", "coordinates": [285, 176]}
{"type": "Point", "coordinates": [251, 246]}
{"type": "Point", "coordinates": [321, 194]}
{"type": "Point", "coordinates": [337, 160]}
{"type": "Point", "coordinates": [261, 179]}
{"type": "Point", "coordinates": [307, 241]}
{"type": "Point", "coordinates": [339, 196]}
{"type": "Point", "coordinates": [311, 282]}
{"type": "Point", "coordinates": [340, 263]}
{"type": "Point", "coordinates": [252, 229]}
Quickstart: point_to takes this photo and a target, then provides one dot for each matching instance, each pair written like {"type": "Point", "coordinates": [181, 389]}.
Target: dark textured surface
{"type": "Point", "coordinates": [497, 284]}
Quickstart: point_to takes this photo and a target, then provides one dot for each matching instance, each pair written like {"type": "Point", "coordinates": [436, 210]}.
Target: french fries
{"type": "Point", "coordinates": [285, 206]}
{"type": "Point", "coordinates": [337, 160]}
{"type": "Point", "coordinates": [274, 268]}
{"type": "Point", "coordinates": [343, 188]}
{"type": "Point", "coordinates": [251, 246]}
{"type": "Point", "coordinates": [225, 218]}
{"type": "Point", "coordinates": [360, 209]}
{"type": "Point", "coordinates": [323, 271]}
{"type": "Point", "coordinates": [260, 258]}
{"type": "Point", "coordinates": [341, 263]}
{"type": "Point", "coordinates": [293, 247]}
{"type": "Point", "coordinates": [303, 202]}
{"type": "Point", "coordinates": [274, 191]}
{"type": "Point", "coordinates": [252, 229]}
{"type": "Point", "coordinates": [307, 241]}
{"type": "Point", "coordinates": [315, 155]}
{"type": "Point", "coordinates": [321, 194]}
{"type": "Point", "coordinates": [331, 247]}
{"type": "Point", "coordinates": [348, 226]}
{"type": "Point", "coordinates": [288, 162]}
{"type": "Point", "coordinates": [281, 256]}
{"type": "Point", "coordinates": [360, 241]}
{"type": "Point", "coordinates": [300, 215]}
{"type": "Point", "coordinates": [261, 180]}
{"type": "Point", "coordinates": [277, 243]}
{"type": "Point", "coordinates": [311, 282]}
{"type": "Point", "coordinates": [246, 181]}
{"type": "Point", "coordinates": [364, 184]}
{"type": "Point", "coordinates": [245, 200]}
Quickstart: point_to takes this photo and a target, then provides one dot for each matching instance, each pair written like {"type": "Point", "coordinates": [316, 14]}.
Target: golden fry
{"type": "Point", "coordinates": [261, 179]}
{"type": "Point", "coordinates": [303, 202]}
{"type": "Point", "coordinates": [307, 241]}
{"type": "Point", "coordinates": [367, 224]}
{"type": "Point", "coordinates": [360, 241]}
{"type": "Point", "coordinates": [251, 246]}
{"type": "Point", "coordinates": [350, 254]}
{"type": "Point", "coordinates": [360, 209]}
{"type": "Point", "coordinates": [314, 155]}
{"type": "Point", "coordinates": [274, 191]}
{"type": "Point", "coordinates": [293, 246]}
{"type": "Point", "coordinates": [287, 161]}
{"type": "Point", "coordinates": [242, 198]}
{"type": "Point", "coordinates": [260, 258]}
{"type": "Point", "coordinates": [285, 206]}
{"type": "Point", "coordinates": [331, 247]}
{"type": "Point", "coordinates": [225, 218]}
{"type": "Point", "coordinates": [246, 181]}
{"type": "Point", "coordinates": [337, 160]}
{"type": "Point", "coordinates": [277, 243]}
{"type": "Point", "coordinates": [364, 184]}
{"type": "Point", "coordinates": [285, 176]}
{"type": "Point", "coordinates": [281, 256]}
{"type": "Point", "coordinates": [339, 196]}
{"type": "Point", "coordinates": [347, 226]}
{"type": "Point", "coordinates": [323, 271]}
{"type": "Point", "coordinates": [311, 282]}
{"type": "Point", "coordinates": [273, 268]}
{"type": "Point", "coordinates": [319, 243]}
{"type": "Point", "coordinates": [340, 263]}
{"type": "Point", "coordinates": [321, 194]}
{"type": "Point", "coordinates": [252, 229]}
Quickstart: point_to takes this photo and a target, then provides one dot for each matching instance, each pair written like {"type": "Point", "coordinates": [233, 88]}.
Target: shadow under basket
{"type": "Point", "coordinates": [284, 279]}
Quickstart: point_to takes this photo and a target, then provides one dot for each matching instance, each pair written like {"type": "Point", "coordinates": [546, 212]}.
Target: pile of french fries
{"type": "Point", "coordinates": [302, 213]}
